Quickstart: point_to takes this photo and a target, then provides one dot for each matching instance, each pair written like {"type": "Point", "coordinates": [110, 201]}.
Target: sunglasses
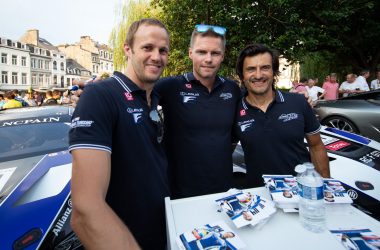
{"type": "Point", "coordinates": [157, 120]}
{"type": "Point", "coordinates": [202, 28]}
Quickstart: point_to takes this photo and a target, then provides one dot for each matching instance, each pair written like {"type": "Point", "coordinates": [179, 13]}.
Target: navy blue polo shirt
{"type": "Point", "coordinates": [113, 115]}
{"type": "Point", "coordinates": [198, 129]}
{"type": "Point", "coordinates": [273, 141]}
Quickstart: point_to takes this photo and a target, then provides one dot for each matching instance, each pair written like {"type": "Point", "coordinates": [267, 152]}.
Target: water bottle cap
{"type": "Point", "coordinates": [300, 168]}
{"type": "Point", "coordinates": [309, 165]}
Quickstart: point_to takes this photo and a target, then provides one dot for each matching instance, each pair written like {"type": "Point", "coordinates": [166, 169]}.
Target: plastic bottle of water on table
{"type": "Point", "coordinates": [312, 211]}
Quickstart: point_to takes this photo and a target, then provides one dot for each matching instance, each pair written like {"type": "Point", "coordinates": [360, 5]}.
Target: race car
{"type": "Point", "coordinates": [35, 173]}
{"type": "Point", "coordinates": [354, 160]}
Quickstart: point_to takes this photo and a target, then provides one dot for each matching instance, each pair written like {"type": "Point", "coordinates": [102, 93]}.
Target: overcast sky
{"type": "Point", "coordinates": [59, 21]}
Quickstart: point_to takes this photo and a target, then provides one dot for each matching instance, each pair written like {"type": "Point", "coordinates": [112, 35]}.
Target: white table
{"type": "Point", "coordinates": [282, 231]}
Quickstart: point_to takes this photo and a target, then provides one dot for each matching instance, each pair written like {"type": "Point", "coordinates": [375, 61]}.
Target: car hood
{"type": "Point", "coordinates": [35, 203]}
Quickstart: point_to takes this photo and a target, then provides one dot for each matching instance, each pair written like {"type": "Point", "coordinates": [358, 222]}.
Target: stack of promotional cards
{"type": "Point", "coordinates": [244, 208]}
{"type": "Point", "coordinates": [284, 191]}
{"type": "Point", "coordinates": [357, 238]}
{"type": "Point", "coordinates": [210, 236]}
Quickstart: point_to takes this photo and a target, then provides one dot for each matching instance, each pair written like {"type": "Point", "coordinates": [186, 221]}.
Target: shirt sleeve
{"type": "Point", "coordinates": [312, 125]}
{"type": "Point", "coordinates": [92, 121]}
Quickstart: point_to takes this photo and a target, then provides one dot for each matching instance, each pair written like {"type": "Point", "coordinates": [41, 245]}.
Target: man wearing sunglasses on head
{"type": "Point", "coordinates": [199, 111]}
{"type": "Point", "coordinates": [118, 198]}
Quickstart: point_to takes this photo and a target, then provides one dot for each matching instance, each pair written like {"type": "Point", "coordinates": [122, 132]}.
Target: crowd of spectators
{"type": "Point", "coordinates": [15, 99]}
{"type": "Point", "coordinates": [331, 89]}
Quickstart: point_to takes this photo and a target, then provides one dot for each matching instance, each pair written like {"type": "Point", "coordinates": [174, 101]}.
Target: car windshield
{"type": "Point", "coordinates": [32, 139]}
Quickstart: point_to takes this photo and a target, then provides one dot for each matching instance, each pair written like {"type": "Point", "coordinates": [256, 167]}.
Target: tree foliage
{"type": "Point", "coordinates": [129, 11]}
{"type": "Point", "coordinates": [346, 29]}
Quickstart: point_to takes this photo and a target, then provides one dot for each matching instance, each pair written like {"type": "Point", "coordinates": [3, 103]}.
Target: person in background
{"type": "Point", "coordinates": [271, 125]}
{"type": "Point", "coordinates": [331, 88]}
{"type": "Point", "coordinates": [28, 97]}
{"type": "Point", "coordinates": [2, 101]}
{"type": "Point", "coordinates": [39, 98]}
{"type": "Point", "coordinates": [375, 84]}
{"type": "Point", "coordinates": [119, 173]}
{"type": "Point", "coordinates": [49, 100]}
{"type": "Point", "coordinates": [350, 86]}
{"type": "Point", "coordinates": [299, 87]}
{"type": "Point", "coordinates": [315, 92]}
{"type": "Point", "coordinates": [199, 108]}
{"type": "Point", "coordinates": [19, 98]}
{"type": "Point", "coordinates": [57, 96]}
{"type": "Point", "coordinates": [10, 101]}
{"type": "Point", "coordinates": [362, 79]}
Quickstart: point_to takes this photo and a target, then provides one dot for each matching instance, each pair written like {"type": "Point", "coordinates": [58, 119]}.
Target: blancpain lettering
{"type": "Point", "coordinates": [31, 121]}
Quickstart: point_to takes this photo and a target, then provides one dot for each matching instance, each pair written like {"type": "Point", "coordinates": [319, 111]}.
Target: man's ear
{"type": "Point", "coordinates": [127, 50]}
{"type": "Point", "coordinates": [191, 53]}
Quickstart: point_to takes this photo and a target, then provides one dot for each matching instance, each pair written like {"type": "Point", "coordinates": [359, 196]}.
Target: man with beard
{"type": "Point", "coordinates": [270, 124]}
{"type": "Point", "coordinates": [118, 198]}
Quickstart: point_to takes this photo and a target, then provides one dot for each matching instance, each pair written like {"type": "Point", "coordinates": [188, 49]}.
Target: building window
{"type": "Point", "coordinates": [40, 64]}
{"type": "Point", "coordinates": [40, 79]}
{"type": "Point", "coordinates": [3, 58]}
{"type": "Point", "coordinates": [37, 51]}
{"type": "Point", "coordinates": [23, 78]}
{"type": "Point", "coordinates": [47, 65]}
{"type": "Point", "coordinates": [14, 60]}
{"type": "Point", "coordinates": [55, 65]}
{"type": "Point", "coordinates": [4, 76]}
{"type": "Point", "coordinates": [55, 79]}
{"type": "Point", "coordinates": [14, 78]}
{"type": "Point", "coordinates": [48, 80]}
{"type": "Point", "coordinates": [23, 61]}
{"type": "Point", "coordinates": [62, 81]}
{"type": "Point", "coordinates": [34, 79]}
{"type": "Point", "coordinates": [101, 53]}
{"type": "Point", "coordinates": [62, 66]}
{"type": "Point", "coordinates": [111, 56]}
{"type": "Point", "coordinates": [33, 63]}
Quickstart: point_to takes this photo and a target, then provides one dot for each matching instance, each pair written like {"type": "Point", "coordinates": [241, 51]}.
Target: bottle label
{"type": "Point", "coordinates": [311, 193]}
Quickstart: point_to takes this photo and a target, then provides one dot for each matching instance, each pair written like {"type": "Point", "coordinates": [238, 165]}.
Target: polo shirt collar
{"type": "Point", "coordinates": [129, 86]}
{"type": "Point", "coordinates": [278, 97]}
{"type": "Point", "coordinates": [126, 83]}
{"type": "Point", "coordinates": [191, 78]}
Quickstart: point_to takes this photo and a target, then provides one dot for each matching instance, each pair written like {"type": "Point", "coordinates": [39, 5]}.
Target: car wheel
{"type": "Point", "coordinates": [341, 123]}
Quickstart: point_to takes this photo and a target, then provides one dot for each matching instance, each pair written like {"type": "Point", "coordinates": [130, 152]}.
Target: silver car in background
{"type": "Point", "coordinates": [359, 114]}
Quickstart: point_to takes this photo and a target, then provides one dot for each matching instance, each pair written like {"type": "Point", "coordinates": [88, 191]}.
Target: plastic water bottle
{"type": "Point", "coordinates": [312, 211]}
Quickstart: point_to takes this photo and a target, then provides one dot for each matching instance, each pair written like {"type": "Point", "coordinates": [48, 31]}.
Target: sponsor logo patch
{"type": "Point", "coordinates": [188, 85]}
{"type": "Point", "coordinates": [129, 96]}
{"type": "Point", "coordinates": [242, 112]}
{"type": "Point", "coordinates": [337, 145]}
{"type": "Point", "coordinates": [226, 96]}
{"type": "Point", "coordinates": [246, 125]}
{"type": "Point", "coordinates": [137, 117]}
{"type": "Point", "coordinates": [77, 123]}
{"type": "Point", "coordinates": [189, 97]}
{"type": "Point", "coordinates": [288, 117]}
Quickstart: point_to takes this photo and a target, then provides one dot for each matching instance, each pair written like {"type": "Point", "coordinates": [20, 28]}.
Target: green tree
{"type": "Point", "coordinates": [347, 29]}
{"type": "Point", "coordinates": [129, 11]}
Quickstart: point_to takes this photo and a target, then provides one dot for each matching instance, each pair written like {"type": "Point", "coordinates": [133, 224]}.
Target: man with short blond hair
{"type": "Point", "coordinates": [118, 198]}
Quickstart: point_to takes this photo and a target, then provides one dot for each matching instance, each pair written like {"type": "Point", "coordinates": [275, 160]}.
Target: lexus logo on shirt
{"type": "Point", "coordinates": [246, 125]}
